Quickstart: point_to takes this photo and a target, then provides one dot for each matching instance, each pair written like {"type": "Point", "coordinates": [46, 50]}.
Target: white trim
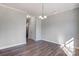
{"type": "Point", "coordinates": [13, 8]}
{"type": "Point", "coordinates": [62, 11]}
{"type": "Point", "coordinates": [51, 41]}
{"type": "Point", "coordinates": [11, 45]}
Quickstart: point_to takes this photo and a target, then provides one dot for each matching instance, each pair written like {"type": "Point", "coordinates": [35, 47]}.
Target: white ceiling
{"type": "Point", "coordinates": [35, 9]}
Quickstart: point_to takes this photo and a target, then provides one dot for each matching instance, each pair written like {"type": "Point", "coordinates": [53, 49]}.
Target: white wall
{"type": "Point", "coordinates": [77, 35]}
{"type": "Point", "coordinates": [32, 28]}
{"type": "Point", "coordinates": [35, 29]}
{"type": "Point", "coordinates": [12, 27]}
{"type": "Point", "coordinates": [38, 29]}
{"type": "Point", "coordinates": [59, 28]}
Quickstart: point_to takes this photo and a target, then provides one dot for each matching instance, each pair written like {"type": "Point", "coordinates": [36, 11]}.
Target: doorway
{"type": "Point", "coordinates": [27, 29]}
{"type": "Point", "coordinates": [30, 30]}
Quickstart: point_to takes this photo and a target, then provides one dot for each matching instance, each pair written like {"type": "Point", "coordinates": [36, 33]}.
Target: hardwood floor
{"type": "Point", "coordinates": [39, 48]}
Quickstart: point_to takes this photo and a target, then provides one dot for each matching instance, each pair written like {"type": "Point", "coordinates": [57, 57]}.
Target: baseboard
{"type": "Point", "coordinates": [51, 42]}
{"type": "Point", "coordinates": [11, 46]}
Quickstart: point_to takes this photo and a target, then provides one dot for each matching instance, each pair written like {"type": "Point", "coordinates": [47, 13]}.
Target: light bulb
{"type": "Point", "coordinates": [41, 17]}
{"type": "Point", "coordinates": [28, 16]}
{"type": "Point", "coordinates": [45, 16]}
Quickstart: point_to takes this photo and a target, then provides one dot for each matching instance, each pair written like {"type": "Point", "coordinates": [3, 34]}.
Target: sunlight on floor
{"type": "Point", "coordinates": [68, 47]}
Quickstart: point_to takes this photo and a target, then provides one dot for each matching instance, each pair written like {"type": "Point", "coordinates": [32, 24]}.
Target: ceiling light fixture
{"type": "Point", "coordinates": [28, 16]}
{"type": "Point", "coordinates": [42, 14]}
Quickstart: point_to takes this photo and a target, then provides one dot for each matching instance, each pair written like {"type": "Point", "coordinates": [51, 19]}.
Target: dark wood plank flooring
{"type": "Point", "coordinates": [39, 48]}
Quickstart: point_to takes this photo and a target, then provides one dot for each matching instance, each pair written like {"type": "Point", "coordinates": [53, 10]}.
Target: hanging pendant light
{"type": "Point", "coordinates": [42, 15]}
{"type": "Point", "coordinates": [28, 16]}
